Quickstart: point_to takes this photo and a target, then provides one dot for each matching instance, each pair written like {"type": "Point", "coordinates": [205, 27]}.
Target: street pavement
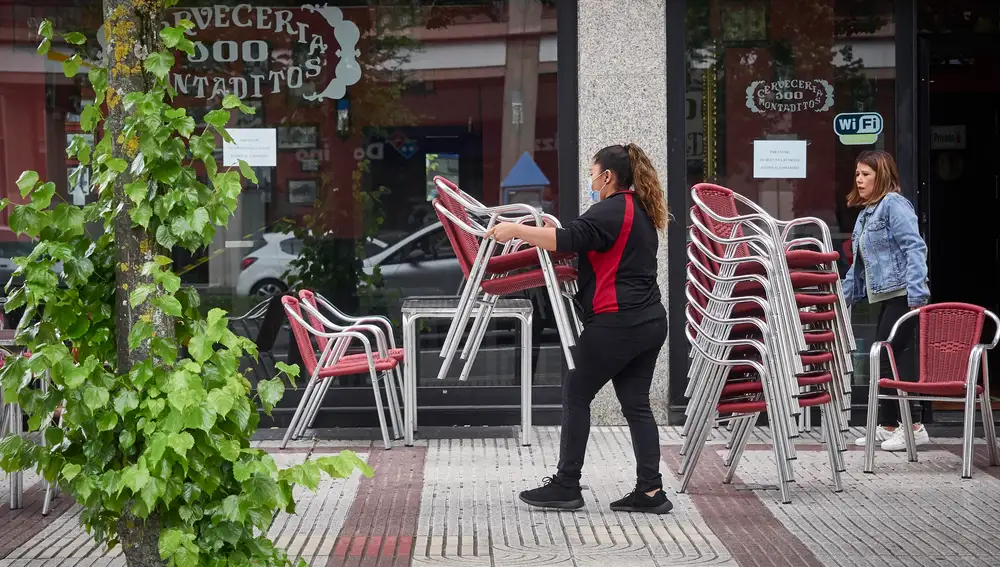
{"type": "Point", "coordinates": [454, 502]}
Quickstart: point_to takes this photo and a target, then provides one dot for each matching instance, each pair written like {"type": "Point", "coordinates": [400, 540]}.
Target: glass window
{"type": "Point", "coordinates": [367, 102]}
{"type": "Point", "coordinates": [767, 78]}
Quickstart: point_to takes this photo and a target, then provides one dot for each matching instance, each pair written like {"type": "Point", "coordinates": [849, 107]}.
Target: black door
{"type": "Point", "coordinates": [960, 169]}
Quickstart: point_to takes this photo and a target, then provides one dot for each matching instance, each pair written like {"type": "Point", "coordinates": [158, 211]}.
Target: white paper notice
{"type": "Point", "coordinates": [779, 159]}
{"type": "Point", "coordinates": [256, 146]}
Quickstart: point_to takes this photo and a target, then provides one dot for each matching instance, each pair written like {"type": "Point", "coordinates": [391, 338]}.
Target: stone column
{"type": "Point", "coordinates": [623, 98]}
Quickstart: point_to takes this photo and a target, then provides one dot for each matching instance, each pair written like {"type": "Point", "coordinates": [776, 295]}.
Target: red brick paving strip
{"type": "Point", "coordinates": [17, 527]}
{"type": "Point", "coordinates": [738, 518]}
{"type": "Point", "coordinates": [382, 522]}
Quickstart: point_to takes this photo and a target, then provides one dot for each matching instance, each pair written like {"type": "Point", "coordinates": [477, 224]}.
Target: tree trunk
{"type": "Point", "coordinates": [132, 32]}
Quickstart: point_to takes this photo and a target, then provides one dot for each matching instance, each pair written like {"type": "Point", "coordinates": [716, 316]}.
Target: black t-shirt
{"type": "Point", "coordinates": [616, 242]}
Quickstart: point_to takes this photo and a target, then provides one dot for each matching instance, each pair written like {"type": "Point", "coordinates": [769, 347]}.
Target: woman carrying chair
{"type": "Point", "coordinates": [625, 323]}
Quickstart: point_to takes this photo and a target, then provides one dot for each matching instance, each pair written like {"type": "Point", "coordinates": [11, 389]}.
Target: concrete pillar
{"type": "Point", "coordinates": [623, 98]}
{"type": "Point", "coordinates": [520, 82]}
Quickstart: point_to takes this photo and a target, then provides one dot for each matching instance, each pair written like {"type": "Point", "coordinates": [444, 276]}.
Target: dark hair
{"type": "Point", "coordinates": [633, 169]}
{"type": "Point", "coordinates": [886, 177]}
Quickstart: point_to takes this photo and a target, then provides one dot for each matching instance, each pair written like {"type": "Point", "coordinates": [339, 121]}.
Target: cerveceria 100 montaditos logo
{"type": "Point", "coordinates": [218, 58]}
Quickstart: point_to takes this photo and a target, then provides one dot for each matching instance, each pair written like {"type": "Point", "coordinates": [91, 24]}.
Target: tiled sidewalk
{"type": "Point", "coordinates": [454, 502]}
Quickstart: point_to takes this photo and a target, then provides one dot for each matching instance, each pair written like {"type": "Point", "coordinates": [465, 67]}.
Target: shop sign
{"type": "Point", "coordinates": [791, 95]}
{"type": "Point", "coordinates": [858, 128]}
{"type": "Point", "coordinates": [948, 137]}
{"type": "Point", "coordinates": [256, 56]}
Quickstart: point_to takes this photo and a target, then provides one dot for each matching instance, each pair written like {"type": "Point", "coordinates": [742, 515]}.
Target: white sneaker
{"type": "Point", "coordinates": [881, 435]}
{"type": "Point", "coordinates": [898, 440]}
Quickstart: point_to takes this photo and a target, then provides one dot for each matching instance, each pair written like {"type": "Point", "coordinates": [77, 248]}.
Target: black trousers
{"type": "Point", "coordinates": [625, 356]}
{"type": "Point", "coordinates": [902, 347]}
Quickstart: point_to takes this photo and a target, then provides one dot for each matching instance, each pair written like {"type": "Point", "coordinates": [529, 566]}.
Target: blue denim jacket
{"type": "Point", "coordinates": [895, 253]}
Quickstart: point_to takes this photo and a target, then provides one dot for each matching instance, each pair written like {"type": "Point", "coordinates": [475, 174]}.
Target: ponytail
{"type": "Point", "coordinates": [646, 184]}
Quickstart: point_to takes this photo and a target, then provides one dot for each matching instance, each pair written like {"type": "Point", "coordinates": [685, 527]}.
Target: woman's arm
{"type": "Point", "coordinates": [540, 236]}
{"type": "Point", "coordinates": [903, 226]}
{"type": "Point", "coordinates": [848, 286]}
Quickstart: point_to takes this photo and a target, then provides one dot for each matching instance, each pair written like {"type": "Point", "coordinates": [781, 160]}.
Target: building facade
{"type": "Point", "coordinates": [368, 100]}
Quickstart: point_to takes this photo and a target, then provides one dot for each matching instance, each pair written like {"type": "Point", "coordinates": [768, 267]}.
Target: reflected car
{"type": "Point", "coordinates": [421, 263]}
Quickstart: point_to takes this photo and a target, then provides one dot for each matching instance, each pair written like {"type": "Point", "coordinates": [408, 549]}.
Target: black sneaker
{"type": "Point", "coordinates": [638, 501]}
{"type": "Point", "coordinates": [552, 494]}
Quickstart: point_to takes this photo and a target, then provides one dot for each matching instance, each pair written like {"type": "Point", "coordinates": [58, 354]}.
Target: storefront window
{"type": "Point", "coordinates": [364, 102]}
{"type": "Point", "coordinates": [770, 76]}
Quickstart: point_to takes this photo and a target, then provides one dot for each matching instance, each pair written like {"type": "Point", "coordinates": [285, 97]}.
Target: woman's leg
{"type": "Point", "coordinates": [600, 354]}
{"type": "Point", "coordinates": [890, 312]}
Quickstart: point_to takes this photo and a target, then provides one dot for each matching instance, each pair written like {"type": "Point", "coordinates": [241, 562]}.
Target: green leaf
{"type": "Point", "coordinates": [230, 450]}
{"type": "Point", "coordinates": [69, 219]}
{"type": "Point", "coordinates": [72, 65]}
{"type": "Point", "coordinates": [169, 305]}
{"type": "Point", "coordinates": [170, 281]}
{"type": "Point", "coordinates": [231, 101]}
{"type": "Point", "coordinates": [135, 477]}
{"type": "Point", "coordinates": [164, 237]}
{"type": "Point", "coordinates": [41, 197]}
{"type": "Point", "coordinates": [89, 118]}
{"type": "Point", "coordinates": [140, 294]}
{"type": "Point", "coordinates": [167, 172]}
{"type": "Point", "coordinates": [25, 220]}
{"type": "Point", "coordinates": [71, 470]}
{"type": "Point", "coordinates": [170, 542]}
{"type": "Point", "coordinates": [137, 190]}
{"type": "Point", "coordinates": [142, 331]}
{"type": "Point", "coordinates": [107, 421]}
{"type": "Point", "coordinates": [44, 46]}
{"type": "Point", "coordinates": [138, 164]}
{"type": "Point", "coordinates": [164, 348]}
{"type": "Point", "coordinates": [95, 397]}
{"type": "Point", "coordinates": [248, 172]}
{"type": "Point", "coordinates": [26, 182]}
{"type": "Point", "coordinates": [181, 442]}
{"type": "Point", "coordinates": [291, 371]}
{"type": "Point", "coordinates": [220, 402]}
{"type": "Point", "coordinates": [200, 348]}
{"type": "Point", "coordinates": [142, 214]}
{"type": "Point", "coordinates": [45, 29]}
{"type": "Point", "coordinates": [218, 118]}
{"type": "Point", "coordinates": [159, 63]}
{"type": "Point", "coordinates": [126, 401]}
{"type": "Point", "coordinates": [75, 377]}
{"type": "Point", "coordinates": [172, 36]}
{"type": "Point", "coordinates": [118, 165]}
{"type": "Point", "coordinates": [75, 38]}
{"type": "Point", "coordinates": [270, 392]}
{"type": "Point", "coordinates": [231, 508]}
{"type": "Point", "coordinates": [200, 220]}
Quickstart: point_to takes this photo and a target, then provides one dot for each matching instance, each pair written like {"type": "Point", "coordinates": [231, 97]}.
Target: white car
{"type": "Point", "coordinates": [422, 263]}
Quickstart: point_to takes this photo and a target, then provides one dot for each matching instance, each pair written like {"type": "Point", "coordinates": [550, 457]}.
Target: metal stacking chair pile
{"type": "Point", "coordinates": [380, 359]}
{"type": "Point", "coordinates": [490, 275]}
{"type": "Point", "coordinates": [769, 332]}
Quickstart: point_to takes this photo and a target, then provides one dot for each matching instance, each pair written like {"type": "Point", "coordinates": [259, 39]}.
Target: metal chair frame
{"type": "Point", "coordinates": [978, 363]}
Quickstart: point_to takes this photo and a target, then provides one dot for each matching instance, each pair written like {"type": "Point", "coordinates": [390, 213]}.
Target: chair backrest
{"type": "Point", "coordinates": [301, 334]}
{"type": "Point", "coordinates": [948, 331]}
{"type": "Point", "coordinates": [454, 237]}
{"type": "Point", "coordinates": [721, 201]}
{"type": "Point", "coordinates": [307, 296]}
{"type": "Point", "coordinates": [466, 245]}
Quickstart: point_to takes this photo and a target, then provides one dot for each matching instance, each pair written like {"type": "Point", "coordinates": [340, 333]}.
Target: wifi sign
{"type": "Point", "coordinates": [858, 128]}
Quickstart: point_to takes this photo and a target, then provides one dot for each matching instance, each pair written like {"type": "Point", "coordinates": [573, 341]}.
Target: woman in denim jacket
{"type": "Point", "coordinates": [889, 269]}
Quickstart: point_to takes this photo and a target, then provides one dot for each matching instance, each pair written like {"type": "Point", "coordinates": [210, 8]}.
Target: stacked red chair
{"type": "Point", "coordinates": [769, 332]}
{"type": "Point", "coordinates": [490, 275]}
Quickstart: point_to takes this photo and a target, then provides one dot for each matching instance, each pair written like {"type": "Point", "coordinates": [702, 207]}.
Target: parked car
{"type": "Point", "coordinates": [421, 263]}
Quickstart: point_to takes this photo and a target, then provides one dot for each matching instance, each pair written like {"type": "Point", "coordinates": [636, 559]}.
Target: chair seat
{"type": "Point", "coordinates": [800, 280]}
{"type": "Point", "coordinates": [394, 353]}
{"type": "Point", "coordinates": [758, 406]}
{"type": "Point", "coordinates": [526, 258]}
{"type": "Point", "coordinates": [802, 299]}
{"type": "Point", "coordinates": [810, 358]}
{"type": "Point", "coordinates": [745, 387]}
{"type": "Point", "coordinates": [353, 365]}
{"type": "Point", "coordinates": [956, 389]}
{"type": "Point", "coordinates": [796, 259]}
{"type": "Point", "coordinates": [506, 285]}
